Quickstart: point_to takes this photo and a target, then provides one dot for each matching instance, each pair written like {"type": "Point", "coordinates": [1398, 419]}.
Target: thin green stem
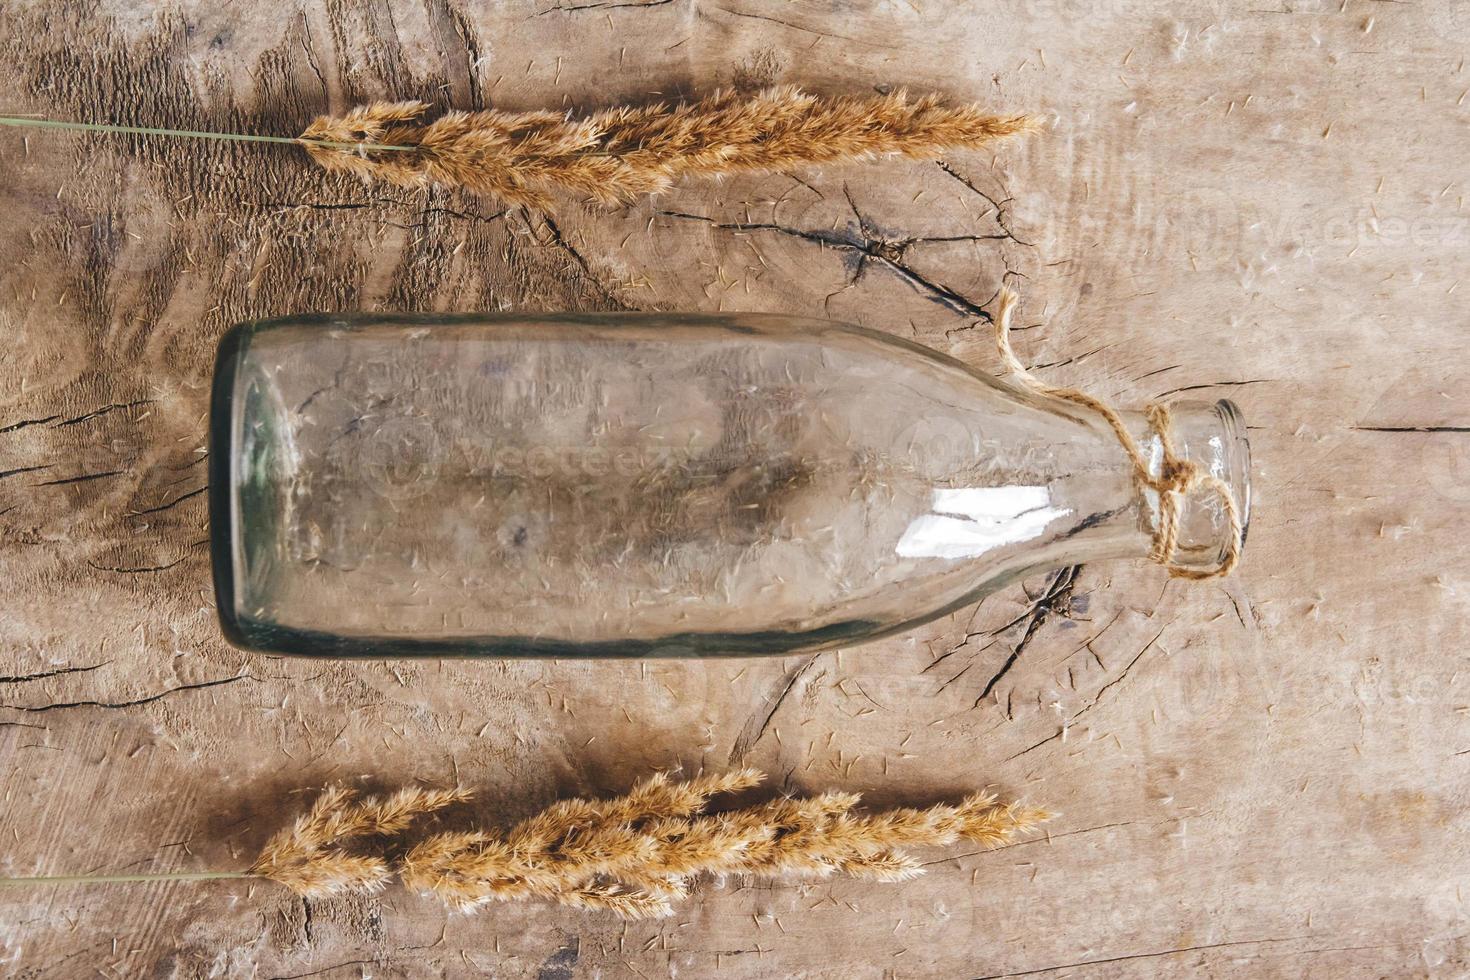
{"type": "Point", "coordinates": [114, 879]}
{"type": "Point", "coordinates": [188, 133]}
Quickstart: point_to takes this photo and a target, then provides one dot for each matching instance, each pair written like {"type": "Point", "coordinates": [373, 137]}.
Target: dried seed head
{"type": "Point", "coordinates": [306, 857]}
{"type": "Point", "coordinates": [620, 154]}
{"type": "Point", "coordinates": [633, 855]}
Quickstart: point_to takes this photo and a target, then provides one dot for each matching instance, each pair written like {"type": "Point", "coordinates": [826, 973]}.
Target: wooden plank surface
{"type": "Point", "coordinates": [1265, 776]}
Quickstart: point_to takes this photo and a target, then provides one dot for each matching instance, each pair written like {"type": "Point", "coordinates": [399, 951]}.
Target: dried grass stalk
{"type": "Point", "coordinates": [619, 154]}
{"type": "Point", "coordinates": [637, 854]}
{"type": "Point", "coordinates": [633, 855]}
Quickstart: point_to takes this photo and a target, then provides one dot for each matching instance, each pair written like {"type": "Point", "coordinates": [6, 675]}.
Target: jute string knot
{"type": "Point", "coordinates": [1176, 478]}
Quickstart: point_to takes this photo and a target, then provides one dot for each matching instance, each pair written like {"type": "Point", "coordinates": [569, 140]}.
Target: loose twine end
{"type": "Point", "coordinates": [1177, 476]}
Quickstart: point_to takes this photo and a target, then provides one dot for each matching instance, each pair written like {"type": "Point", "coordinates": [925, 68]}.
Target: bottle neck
{"type": "Point", "coordinates": [1213, 437]}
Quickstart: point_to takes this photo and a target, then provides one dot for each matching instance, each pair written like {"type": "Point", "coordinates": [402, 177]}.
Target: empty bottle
{"type": "Point", "coordinates": [651, 484]}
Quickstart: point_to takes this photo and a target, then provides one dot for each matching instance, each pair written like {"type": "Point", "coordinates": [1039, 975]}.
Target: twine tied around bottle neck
{"type": "Point", "coordinates": [1176, 478]}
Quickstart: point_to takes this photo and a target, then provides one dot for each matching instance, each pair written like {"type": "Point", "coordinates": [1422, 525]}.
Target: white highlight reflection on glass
{"type": "Point", "coordinates": [969, 521]}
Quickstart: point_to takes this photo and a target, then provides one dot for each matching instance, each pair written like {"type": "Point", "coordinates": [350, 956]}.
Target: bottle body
{"type": "Point", "coordinates": [637, 484]}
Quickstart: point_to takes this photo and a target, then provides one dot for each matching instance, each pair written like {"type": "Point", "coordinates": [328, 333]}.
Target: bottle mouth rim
{"type": "Point", "coordinates": [1232, 425]}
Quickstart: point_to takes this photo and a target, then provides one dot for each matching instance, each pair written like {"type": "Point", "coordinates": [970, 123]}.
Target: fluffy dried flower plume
{"type": "Point", "coordinates": [308, 857]}
{"type": "Point", "coordinates": [619, 154]}
{"type": "Point", "coordinates": [634, 855]}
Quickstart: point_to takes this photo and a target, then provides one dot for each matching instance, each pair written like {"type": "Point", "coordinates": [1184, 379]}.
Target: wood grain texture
{"type": "Point", "coordinates": [1265, 776]}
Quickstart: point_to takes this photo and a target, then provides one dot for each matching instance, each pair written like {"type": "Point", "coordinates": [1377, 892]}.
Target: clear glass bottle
{"type": "Point", "coordinates": [649, 484]}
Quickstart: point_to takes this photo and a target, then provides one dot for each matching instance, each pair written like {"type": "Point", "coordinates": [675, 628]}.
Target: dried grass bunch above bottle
{"type": "Point", "coordinates": [618, 154]}
{"type": "Point", "coordinates": [614, 155]}
{"type": "Point", "coordinates": [633, 855]}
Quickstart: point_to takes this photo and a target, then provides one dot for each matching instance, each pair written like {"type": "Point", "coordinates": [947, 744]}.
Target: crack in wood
{"type": "Point", "coordinates": [560, 241]}
{"type": "Point", "coordinates": [24, 423]}
{"type": "Point", "coordinates": [4, 474]}
{"type": "Point", "coordinates": [1001, 217]}
{"type": "Point", "coordinates": [1030, 748]}
{"type": "Point", "coordinates": [104, 410]}
{"type": "Point", "coordinates": [1096, 698]}
{"type": "Point", "coordinates": [1215, 384]}
{"type": "Point", "coordinates": [1391, 428]}
{"type": "Point", "coordinates": [78, 479]}
{"type": "Point", "coordinates": [58, 706]}
{"type": "Point", "coordinates": [172, 503]}
{"type": "Point", "coordinates": [1141, 956]}
{"type": "Point", "coordinates": [600, 6]}
{"type": "Point", "coordinates": [1057, 596]}
{"type": "Point", "coordinates": [877, 251]}
{"type": "Point", "coordinates": [22, 678]}
{"type": "Point", "coordinates": [138, 570]}
{"type": "Point", "coordinates": [1047, 839]}
{"type": "Point", "coordinates": [794, 27]}
{"type": "Point", "coordinates": [308, 45]}
{"type": "Point", "coordinates": [325, 969]}
{"type": "Point", "coordinates": [754, 730]}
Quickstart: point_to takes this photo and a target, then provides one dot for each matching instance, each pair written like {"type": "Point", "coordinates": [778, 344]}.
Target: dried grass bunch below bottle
{"type": "Point", "coordinates": [633, 855]}
{"type": "Point", "coordinates": [621, 153]}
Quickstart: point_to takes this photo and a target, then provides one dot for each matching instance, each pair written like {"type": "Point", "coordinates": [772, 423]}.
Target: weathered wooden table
{"type": "Point", "coordinates": [1264, 776]}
